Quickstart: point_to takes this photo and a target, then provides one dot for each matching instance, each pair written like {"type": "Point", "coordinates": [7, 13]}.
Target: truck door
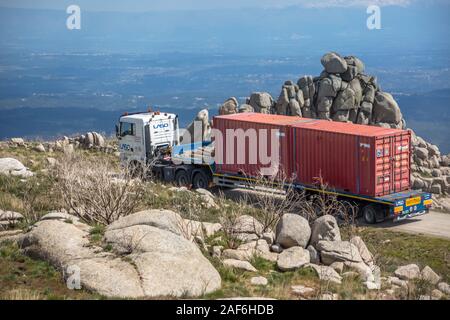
{"type": "Point", "coordinates": [131, 141]}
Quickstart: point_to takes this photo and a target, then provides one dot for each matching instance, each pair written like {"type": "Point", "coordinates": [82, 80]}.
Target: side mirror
{"type": "Point", "coordinates": [117, 132]}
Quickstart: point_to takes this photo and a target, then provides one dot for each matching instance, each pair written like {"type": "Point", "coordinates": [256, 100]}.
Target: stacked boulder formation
{"type": "Point", "coordinates": [430, 171]}
{"type": "Point", "coordinates": [344, 92]}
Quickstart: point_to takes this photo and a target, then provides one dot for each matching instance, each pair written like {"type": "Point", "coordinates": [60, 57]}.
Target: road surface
{"type": "Point", "coordinates": [434, 223]}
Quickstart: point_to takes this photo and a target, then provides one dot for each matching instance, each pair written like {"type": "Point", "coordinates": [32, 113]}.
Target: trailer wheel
{"type": "Point", "coordinates": [370, 214]}
{"type": "Point", "coordinates": [181, 178]}
{"type": "Point", "coordinates": [345, 211]}
{"type": "Point", "coordinates": [200, 181]}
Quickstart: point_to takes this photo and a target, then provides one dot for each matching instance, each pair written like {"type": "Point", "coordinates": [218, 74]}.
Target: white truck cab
{"type": "Point", "coordinates": [142, 135]}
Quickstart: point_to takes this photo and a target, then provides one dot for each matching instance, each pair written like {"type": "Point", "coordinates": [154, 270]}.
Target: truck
{"type": "Point", "coordinates": [367, 166]}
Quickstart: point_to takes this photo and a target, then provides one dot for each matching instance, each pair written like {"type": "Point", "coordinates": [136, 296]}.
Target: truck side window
{"type": "Point", "coordinates": [127, 129]}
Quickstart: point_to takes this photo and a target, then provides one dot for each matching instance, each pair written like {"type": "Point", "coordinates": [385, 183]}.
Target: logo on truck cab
{"type": "Point", "coordinates": [160, 125]}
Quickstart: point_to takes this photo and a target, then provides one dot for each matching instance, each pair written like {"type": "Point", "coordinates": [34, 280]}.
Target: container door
{"type": "Point", "coordinates": [365, 165]}
{"type": "Point", "coordinates": [401, 162]}
{"type": "Point", "coordinates": [383, 166]}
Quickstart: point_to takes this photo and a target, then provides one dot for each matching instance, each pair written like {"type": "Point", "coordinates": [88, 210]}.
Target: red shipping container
{"type": "Point", "coordinates": [358, 159]}
{"type": "Point", "coordinates": [365, 160]}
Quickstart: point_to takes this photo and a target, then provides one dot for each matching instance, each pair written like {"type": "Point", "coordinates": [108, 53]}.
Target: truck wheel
{"type": "Point", "coordinates": [181, 178]}
{"type": "Point", "coordinates": [200, 181]}
{"type": "Point", "coordinates": [369, 214]}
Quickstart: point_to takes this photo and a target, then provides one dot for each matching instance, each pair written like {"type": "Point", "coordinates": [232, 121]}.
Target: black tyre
{"type": "Point", "coordinates": [346, 211]}
{"type": "Point", "coordinates": [181, 178]}
{"type": "Point", "coordinates": [369, 214]}
{"type": "Point", "coordinates": [200, 181]}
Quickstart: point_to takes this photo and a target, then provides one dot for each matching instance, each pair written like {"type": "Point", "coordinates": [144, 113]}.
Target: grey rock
{"type": "Point", "coordinates": [161, 219]}
{"type": "Point", "coordinates": [444, 287]}
{"type": "Point", "coordinates": [168, 264]}
{"type": "Point", "coordinates": [324, 104]}
{"type": "Point", "coordinates": [302, 290]}
{"type": "Point", "coordinates": [261, 100]}
{"type": "Point", "coordinates": [10, 215]}
{"type": "Point", "coordinates": [293, 230]}
{"type": "Point", "coordinates": [229, 106]}
{"type": "Point", "coordinates": [314, 256]}
{"type": "Point", "coordinates": [18, 141]}
{"type": "Point", "coordinates": [366, 256]}
{"type": "Point", "coordinates": [276, 248]}
{"type": "Point", "coordinates": [39, 147]}
{"type": "Point", "coordinates": [341, 116]}
{"type": "Point", "coordinates": [292, 258]}
{"type": "Point", "coordinates": [269, 237]}
{"type": "Point", "coordinates": [243, 255]}
{"type": "Point", "coordinates": [408, 272]}
{"type": "Point", "coordinates": [386, 109]}
{"type": "Point", "coordinates": [246, 108]}
{"type": "Point", "coordinates": [436, 189]}
{"type": "Point", "coordinates": [248, 224]}
{"type": "Point", "coordinates": [429, 275]}
{"type": "Point", "coordinates": [334, 63]}
{"type": "Point", "coordinates": [331, 251]}
{"type": "Point", "coordinates": [329, 87]}
{"type": "Point", "coordinates": [325, 228]}
{"type": "Point", "coordinates": [259, 281]}
{"type": "Point", "coordinates": [64, 245]}
{"type": "Point", "coordinates": [326, 273]}
{"type": "Point", "coordinates": [294, 108]}
{"type": "Point", "coordinates": [13, 167]}
{"type": "Point", "coordinates": [338, 266]}
{"type": "Point", "coordinates": [436, 294]}
{"type": "Point", "coordinates": [345, 100]}
{"type": "Point", "coordinates": [422, 153]}
{"type": "Point", "coordinates": [239, 264]}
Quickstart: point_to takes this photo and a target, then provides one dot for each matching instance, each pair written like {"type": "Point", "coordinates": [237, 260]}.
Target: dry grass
{"type": "Point", "coordinates": [97, 191]}
{"type": "Point", "coordinates": [21, 294]}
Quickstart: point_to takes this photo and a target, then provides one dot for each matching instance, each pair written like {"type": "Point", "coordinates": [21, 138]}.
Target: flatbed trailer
{"type": "Point", "coordinates": [366, 166]}
{"type": "Point", "coordinates": [200, 172]}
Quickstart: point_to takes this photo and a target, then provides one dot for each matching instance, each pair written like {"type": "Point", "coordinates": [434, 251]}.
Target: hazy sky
{"type": "Point", "coordinates": [141, 5]}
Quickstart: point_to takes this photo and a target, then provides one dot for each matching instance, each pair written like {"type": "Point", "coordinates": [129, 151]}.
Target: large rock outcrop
{"type": "Point", "coordinates": [149, 256]}
{"type": "Point", "coordinates": [342, 92]}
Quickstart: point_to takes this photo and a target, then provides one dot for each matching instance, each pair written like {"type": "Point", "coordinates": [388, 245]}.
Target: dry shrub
{"type": "Point", "coordinates": [96, 190]}
{"type": "Point", "coordinates": [273, 196]}
{"type": "Point", "coordinates": [228, 219]}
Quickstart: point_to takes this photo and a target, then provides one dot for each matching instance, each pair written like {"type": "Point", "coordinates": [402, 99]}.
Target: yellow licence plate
{"type": "Point", "coordinates": [413, 201]}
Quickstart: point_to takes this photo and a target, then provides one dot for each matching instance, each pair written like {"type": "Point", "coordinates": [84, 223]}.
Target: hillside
{"type": "Point", "coordinates": [236, 244]}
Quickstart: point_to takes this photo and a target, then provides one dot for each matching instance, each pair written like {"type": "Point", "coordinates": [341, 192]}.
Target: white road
{"type": "Point", "coordinates": [434, 223]}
